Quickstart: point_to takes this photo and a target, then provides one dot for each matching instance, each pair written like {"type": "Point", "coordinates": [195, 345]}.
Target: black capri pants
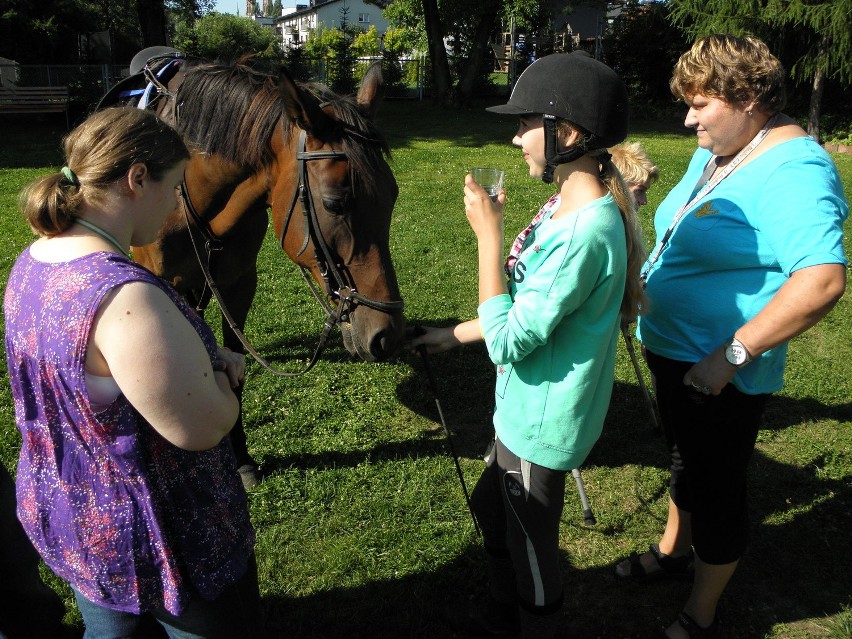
{"type": "Point", "coordinates": [711, 440]}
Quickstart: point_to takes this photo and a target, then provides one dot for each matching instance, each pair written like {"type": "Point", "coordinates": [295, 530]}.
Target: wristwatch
{"type": "Point", "coordinates": [736, 353]}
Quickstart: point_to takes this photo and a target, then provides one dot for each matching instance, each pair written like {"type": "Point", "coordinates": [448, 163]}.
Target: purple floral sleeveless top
{"type": "Point", "coordinates": [128, 519]}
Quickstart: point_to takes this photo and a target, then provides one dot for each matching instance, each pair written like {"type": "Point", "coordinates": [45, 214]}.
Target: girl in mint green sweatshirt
{"type": "Point", "coordinates": [551, 328]}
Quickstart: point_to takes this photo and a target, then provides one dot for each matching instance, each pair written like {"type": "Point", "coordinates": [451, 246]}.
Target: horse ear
{"type": "Point", "coordinates": [372, 89]}
{"type": "Point", "coordinates": [301, 107]}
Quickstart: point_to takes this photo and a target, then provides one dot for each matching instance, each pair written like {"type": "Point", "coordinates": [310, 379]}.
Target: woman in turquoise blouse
{"type": "Point", "coordinates": [749, 255]}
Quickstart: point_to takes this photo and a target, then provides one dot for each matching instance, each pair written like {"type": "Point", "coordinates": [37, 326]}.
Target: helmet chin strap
{"type": "Point", "coordinates": [552, 155]}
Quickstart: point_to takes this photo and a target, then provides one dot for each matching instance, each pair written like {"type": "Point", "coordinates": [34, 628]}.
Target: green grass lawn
{"type": "Point", "coordinates": [362, 526]}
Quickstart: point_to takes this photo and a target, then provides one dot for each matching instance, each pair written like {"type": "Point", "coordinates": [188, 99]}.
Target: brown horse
{"type": "Point", "coordinates": [317, 162]}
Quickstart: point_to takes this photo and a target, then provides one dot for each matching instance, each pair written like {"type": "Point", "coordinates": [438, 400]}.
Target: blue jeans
{"type": "Point", "coordinates": [235, 613]}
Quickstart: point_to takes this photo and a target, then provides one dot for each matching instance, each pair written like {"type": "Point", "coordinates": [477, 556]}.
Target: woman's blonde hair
{"type": "Point", "coordinates": [98, 152]}
{"type": "Point", "coordinates": [736, 69]}
{"type": "Point", "coordinates": [633, 163]}
{"type": "Point", "coordinates": [633, 300]}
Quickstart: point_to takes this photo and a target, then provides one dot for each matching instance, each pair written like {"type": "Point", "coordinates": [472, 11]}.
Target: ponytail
{"type": "Point", "coordinates": [50, 204]}
{"type": "Point", "coordinates": [634, 301]}
{"type": "Point", "coordinates": [98, 153]}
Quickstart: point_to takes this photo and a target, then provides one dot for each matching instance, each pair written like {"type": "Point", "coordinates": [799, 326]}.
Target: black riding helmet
{"type": "Point", "coordinates": [574, 87]}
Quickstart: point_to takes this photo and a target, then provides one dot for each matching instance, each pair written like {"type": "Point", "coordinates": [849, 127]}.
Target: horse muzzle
{"type": "Point", "coordinates": [373, 341]}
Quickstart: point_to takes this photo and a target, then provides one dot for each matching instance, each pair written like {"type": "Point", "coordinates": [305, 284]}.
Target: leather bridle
{"type": "Point", "coordinates": [338, 287]}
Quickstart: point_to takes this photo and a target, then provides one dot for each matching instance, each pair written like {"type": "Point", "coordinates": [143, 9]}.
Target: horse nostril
{"type": "Point", "coordinates": [381, 345]}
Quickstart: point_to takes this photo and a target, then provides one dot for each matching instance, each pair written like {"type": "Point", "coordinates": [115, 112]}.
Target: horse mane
{"type": "Point", "coordinates": [232, 110]}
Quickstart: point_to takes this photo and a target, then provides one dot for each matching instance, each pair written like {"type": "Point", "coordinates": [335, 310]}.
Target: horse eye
{"type": "Point", "coordinates": [337, 206]}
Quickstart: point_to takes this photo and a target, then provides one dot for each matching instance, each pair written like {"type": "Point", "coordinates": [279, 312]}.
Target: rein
{"type": "Point", "coordinates": [337, 286]}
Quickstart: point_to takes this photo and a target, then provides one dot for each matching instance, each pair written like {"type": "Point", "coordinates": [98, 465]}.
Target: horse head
{"type": "Point", "coordinates": [345, 183]}
{"type": "Point", "coordinates": [319, 162]}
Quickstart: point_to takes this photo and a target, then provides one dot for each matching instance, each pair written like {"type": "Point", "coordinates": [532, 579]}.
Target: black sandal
{"type": "Point", "coordinates": [669, 567]}
{"type": "Point", "coordinates": [694, 630]}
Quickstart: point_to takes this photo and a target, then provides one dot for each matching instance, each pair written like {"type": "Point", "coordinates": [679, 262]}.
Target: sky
{"type": "Point", "coordinates": [230, 6]}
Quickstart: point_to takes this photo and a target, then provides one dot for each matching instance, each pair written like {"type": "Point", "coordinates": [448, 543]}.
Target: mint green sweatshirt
{"type": "Point", "coordinates": [553, 338]}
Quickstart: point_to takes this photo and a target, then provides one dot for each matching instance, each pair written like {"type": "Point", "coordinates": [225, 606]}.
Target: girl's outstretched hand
{"type": "Point", "coordinates": [433, 338]}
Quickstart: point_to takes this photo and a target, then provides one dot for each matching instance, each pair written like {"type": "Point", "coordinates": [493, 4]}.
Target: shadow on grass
{"type": "Point", "coordinates": [293, 353]}
{"type": "Point", "coordinates": [41, 134]}
{"type": "Point", "coordinates": [767, 590]}
{"type": "Point", "coordinates": [32, 141]}
{"type": "Point", "coordinates": [783, 412]}
{"type": "Point", "coordinates": [797, 566]}
{"type": "Point", "coordinates": [404, 123]}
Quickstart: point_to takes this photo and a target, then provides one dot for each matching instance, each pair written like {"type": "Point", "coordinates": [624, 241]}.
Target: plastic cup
{"type": "Point", "coordinates": [489, 179]}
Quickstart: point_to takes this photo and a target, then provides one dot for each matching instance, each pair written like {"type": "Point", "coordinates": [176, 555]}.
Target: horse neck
{"type": "Point", "coordinates": [223, 194]}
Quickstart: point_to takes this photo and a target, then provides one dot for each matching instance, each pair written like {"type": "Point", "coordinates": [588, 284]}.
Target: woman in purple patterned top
{"type": "Point", "coordinates": [127, 483]}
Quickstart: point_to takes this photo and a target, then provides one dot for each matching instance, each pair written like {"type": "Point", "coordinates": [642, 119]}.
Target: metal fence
{"type": "Point", "coordinates": [53, 75]}
{"type": "Point", "coordinates": [87, 83]}
{"type": "Point", "coordinates": [407, 78]}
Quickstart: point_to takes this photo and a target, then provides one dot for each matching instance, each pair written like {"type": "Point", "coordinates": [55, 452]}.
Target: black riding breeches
{"type": "Point", "coordinates": [518, 505]}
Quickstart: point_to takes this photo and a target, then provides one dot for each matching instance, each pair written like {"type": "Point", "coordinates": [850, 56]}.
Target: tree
{"type": "Point", "coordinates": [440, 65]}
{"type": "Point", "coordinates": [152, 21]}
{"type": "Point", "coordinates": [467, 24]}
{"type": "Point", "coordinates": [334, 47]}
{"type": "Point", "coordinates": [219, 35]}
{"type": "Point", "coordinates": [397, 43]}
{"type": "Point", "coordinates": [477, 34]}
{"type": "Point", "coordinates": [643, 48]}
{"type": "Point", "coordinates": [816, 30]}
{"type": "Point", "coordinates": [366, 44]}
{"type": "Point", "coordinates": [49, 32]}
{"type": "Point", "coordinates": [158, 18]}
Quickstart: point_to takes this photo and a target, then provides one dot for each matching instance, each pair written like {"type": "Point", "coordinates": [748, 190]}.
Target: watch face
{"type": "Point", "coordinates": [736, 354]}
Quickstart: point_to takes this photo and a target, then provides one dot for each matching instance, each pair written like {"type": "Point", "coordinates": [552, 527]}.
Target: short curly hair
{"type": "Point", "coordinates": [736, 69]}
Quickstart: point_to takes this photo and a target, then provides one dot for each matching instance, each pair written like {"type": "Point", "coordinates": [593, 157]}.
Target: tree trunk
{"type": "Point", "coordinates": [816, 103]}
{"type": "Point", "coordinates": [441, 80]}
{"type": "Point", "coordinates": [152, 21]}
{"type": "Point", "coordinates": [479, 52]}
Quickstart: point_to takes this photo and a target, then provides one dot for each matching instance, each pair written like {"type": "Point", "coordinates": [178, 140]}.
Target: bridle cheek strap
{"type": "Point", "coordinates": [337, 286]}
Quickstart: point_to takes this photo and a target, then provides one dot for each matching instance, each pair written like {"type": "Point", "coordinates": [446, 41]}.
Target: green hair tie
{"type": "Point", "coordinates": [69, 175]}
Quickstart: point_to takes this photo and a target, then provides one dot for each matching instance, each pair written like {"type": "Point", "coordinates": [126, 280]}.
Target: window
{"type": "Point", "coordinates": [363, 17]}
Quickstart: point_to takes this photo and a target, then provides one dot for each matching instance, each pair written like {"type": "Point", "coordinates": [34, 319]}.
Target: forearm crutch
{"type": "Point", "coordinates": [628, 341]}
{"type": "Point", "coordinates": [588, 515]}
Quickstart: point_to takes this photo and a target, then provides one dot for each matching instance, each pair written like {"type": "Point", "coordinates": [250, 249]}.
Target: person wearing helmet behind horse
{"type": "Point", "coordinates": [551, 330]}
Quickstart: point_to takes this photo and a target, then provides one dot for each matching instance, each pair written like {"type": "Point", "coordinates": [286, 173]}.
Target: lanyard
{"type": "Point", "coordinates": [704, 190]}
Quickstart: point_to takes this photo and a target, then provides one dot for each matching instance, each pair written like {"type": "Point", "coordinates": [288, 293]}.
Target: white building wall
{"type": "Point", "coordinates": [295, 27]}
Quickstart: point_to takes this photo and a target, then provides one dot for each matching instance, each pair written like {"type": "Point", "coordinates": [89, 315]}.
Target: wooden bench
{"type": "Point", "coordinates": [34, 100]}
